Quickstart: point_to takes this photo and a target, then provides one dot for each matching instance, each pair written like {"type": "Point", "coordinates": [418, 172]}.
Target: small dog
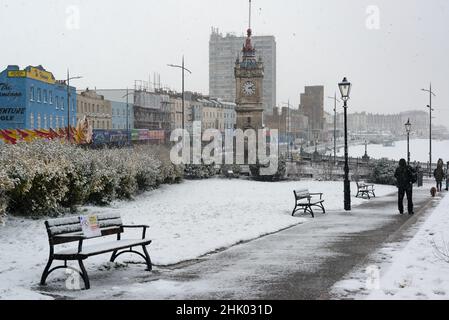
{"type": "Point", "coordinates": [433, 192]}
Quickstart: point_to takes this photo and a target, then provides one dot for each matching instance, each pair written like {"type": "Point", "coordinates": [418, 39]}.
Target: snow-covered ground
{"type": "Point", "coordinates": [416, 270]}
{"type": "Point", "coordinates": [187, 221]}
{"type": "Point", "coordinates": [419, 150]}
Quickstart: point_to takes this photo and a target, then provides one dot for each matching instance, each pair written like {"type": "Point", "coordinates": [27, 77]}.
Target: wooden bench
{"type": "Point", "coordinates": [66, 230]}
{"type": "Point", "coordinates": [365, 190]}
{"type": "Point", "coordinates": [304, 200]}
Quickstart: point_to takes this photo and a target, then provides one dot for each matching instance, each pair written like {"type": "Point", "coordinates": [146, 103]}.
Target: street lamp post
{"type": "Point", "coordinates": [430, 127]}
{"type": "Point", "coordinates": [335, 125]}
{"type": "Point", "coordinates": [345, 90]}
{"type": "Point", "coordinates": [68, 103]}
{"type": "Point", "coordinates": [127, 114]}
{"type": "Point", "coordinates": [288, 128]}
{"type": "Point", "coordinates": [408, 128]}
{"type": "Point", "coordinates": [183, 70]}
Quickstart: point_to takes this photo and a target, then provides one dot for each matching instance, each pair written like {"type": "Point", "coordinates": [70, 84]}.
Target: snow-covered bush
{"type": "Point", "coordinates": [231, 170]}
{"type": "Point", "coordinates": [383, 173]}
{"type": "Point", "coordinates": [42, 177]}
{"type": "Point", "coordinates": [279, 175]}
{"type": "Point", "coordinates": [39, 174]}
{"type": "Point", "coordinates": [199, 171]}
{"type": "Point", "coordinates": [78, 175]}
{"type": "Point", "coordinates": [6, 184]}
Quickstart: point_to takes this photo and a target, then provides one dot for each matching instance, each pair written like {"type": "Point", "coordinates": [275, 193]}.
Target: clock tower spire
{"type": "Point", "coordinates": [249, 73]}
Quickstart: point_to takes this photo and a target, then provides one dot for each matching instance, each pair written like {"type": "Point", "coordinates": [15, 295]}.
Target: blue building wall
{"type": "Point", "coordinates": [119, 115]}
{"type": "Point", "coordinates": [32, 99]}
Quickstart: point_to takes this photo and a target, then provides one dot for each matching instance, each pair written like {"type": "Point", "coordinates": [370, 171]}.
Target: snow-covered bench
{"type": "Point", "coordinates": [66, 230]}
{"type": "Point", "coordinates": [304, 200]}
{"type": "Point", "coordinates": [365, 190]}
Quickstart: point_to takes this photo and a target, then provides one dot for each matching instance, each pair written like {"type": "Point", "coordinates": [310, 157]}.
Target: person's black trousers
{"type": "Point", "coordinates": [402, 192]}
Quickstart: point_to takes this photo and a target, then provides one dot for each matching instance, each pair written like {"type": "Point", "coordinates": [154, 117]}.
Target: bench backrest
{"type": "Point", "coordinates": [302, 194]}
{"type": "Point", "coordinates": [109, 223]}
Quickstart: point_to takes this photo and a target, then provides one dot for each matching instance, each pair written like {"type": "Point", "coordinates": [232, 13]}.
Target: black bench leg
{"type": "Point", "coordinates": [84, 275]}
{"type": "Point", "coordinates": [46, 273]}
{"type": "Point", "coordinates": [294, 210]}
{"type": "Point", "coordinates": [311, 212]}
{"type": "Point", "coordinates": [147, 258]}
{"type": "Point", "coordinates": [113, 256]}
{"type": "Point", "coordinates": [322, 207]}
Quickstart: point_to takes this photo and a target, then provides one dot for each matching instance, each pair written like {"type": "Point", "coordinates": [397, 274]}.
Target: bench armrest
{"type": "Point", "coordinates": [144, 228]}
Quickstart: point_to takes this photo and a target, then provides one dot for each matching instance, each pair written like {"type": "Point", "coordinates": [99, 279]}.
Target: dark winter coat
{"type": "Point", "coordinates": [439, 174]}
{"type": "Point", "coordinates": [405, 176]}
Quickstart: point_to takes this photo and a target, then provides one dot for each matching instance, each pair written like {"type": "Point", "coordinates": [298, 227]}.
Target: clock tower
{"type": "Point", "coordinates": [249, 73]}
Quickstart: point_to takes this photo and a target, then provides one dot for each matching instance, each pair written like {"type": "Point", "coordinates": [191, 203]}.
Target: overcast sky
{"type": "Point", "coordinates": [388, 49]}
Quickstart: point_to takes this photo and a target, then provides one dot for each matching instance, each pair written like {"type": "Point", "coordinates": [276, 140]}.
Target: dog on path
{"type": "Point", "coordinates": [433, 192]}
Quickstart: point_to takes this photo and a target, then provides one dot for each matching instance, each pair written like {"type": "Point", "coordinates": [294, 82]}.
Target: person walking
{"type": "Point", "coordinates": [447, 176]}
{"type": "Point", "coordinates": [405, 177]}
{"type": "Point", "coordinates": [439, 174]}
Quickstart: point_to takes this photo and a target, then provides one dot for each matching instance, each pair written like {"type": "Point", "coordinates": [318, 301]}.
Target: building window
{"type": "Point", "coordinates": [57, 102]}
{"type": "Point", "coordinates": [45, 96]}
{"type": "Point", "coordinates": [31, 121]}
{"type": "Point", "coordinates": [50, 96]}
{"type": "Point", "coordinates": [38, 121]}
{"type": "Point", "coordinates": [62, 103]}
{"type": "Point", "coordinates": [39, 95]}
{"type": "Point", "coordinates": [51, 121]}
{"type": "Point", "coordinates": [32, 93]}
{"type": "Point", "coordinates": [73, 105]}
{"type": "Point", "coordinates": [45, 122]}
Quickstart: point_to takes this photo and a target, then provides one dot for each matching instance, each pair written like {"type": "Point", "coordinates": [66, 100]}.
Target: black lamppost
{"type": "Point", "coordinates": [183, 71]}
{"type": "Point", "coordinates": [431, 93]}
{"type": "Point", "coordinates": [345, 90]}
{"type": "Point", "coordinates": [335, 125]}
{"type": "Point", "coordinates": [408, 128]}
{"type": "Point", "coordinates": [128, 138]}
{"type": "Point", "coordinates": [68, 103]}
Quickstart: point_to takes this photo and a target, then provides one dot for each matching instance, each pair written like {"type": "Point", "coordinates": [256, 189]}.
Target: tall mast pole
{"type": "Point", "coordinates": [249, 24]}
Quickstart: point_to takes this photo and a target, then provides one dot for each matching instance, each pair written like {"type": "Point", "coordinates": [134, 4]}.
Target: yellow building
{"type": "Point", "coordinates": [97, 110]}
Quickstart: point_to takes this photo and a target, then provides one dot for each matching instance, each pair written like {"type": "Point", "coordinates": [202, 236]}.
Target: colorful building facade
{"type": "Point", "coordinates": [33, 99]}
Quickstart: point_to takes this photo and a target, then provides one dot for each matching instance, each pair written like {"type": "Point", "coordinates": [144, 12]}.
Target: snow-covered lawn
{"type": "Point", "coordinates": [187, 221]}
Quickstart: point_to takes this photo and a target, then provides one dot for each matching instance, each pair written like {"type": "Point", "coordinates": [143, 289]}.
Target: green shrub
{"type": "Point", "coordinates": [279, 175]}
{"type": "Point", "coordinates": [383, 173]}
{"type": "Point", "coordinates": [199, 171]}
{"type": "Point", "coordinates": [45, 177]}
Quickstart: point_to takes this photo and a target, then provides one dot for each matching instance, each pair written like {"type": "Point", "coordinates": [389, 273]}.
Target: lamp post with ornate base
{"type": "Point", "coordinates": [408, 128]}
{"type": "Point", "coordinates": [345, 90]}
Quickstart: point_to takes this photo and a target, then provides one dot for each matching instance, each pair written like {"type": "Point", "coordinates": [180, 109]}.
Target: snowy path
{"type": "Point", "coordinates": [302, 262]}
{"type": "Point", "coordinates": [408, 267]}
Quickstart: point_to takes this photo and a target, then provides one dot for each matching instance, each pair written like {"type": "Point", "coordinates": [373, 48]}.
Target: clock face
{"type": "Point", "coordinates": [249, 88]}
